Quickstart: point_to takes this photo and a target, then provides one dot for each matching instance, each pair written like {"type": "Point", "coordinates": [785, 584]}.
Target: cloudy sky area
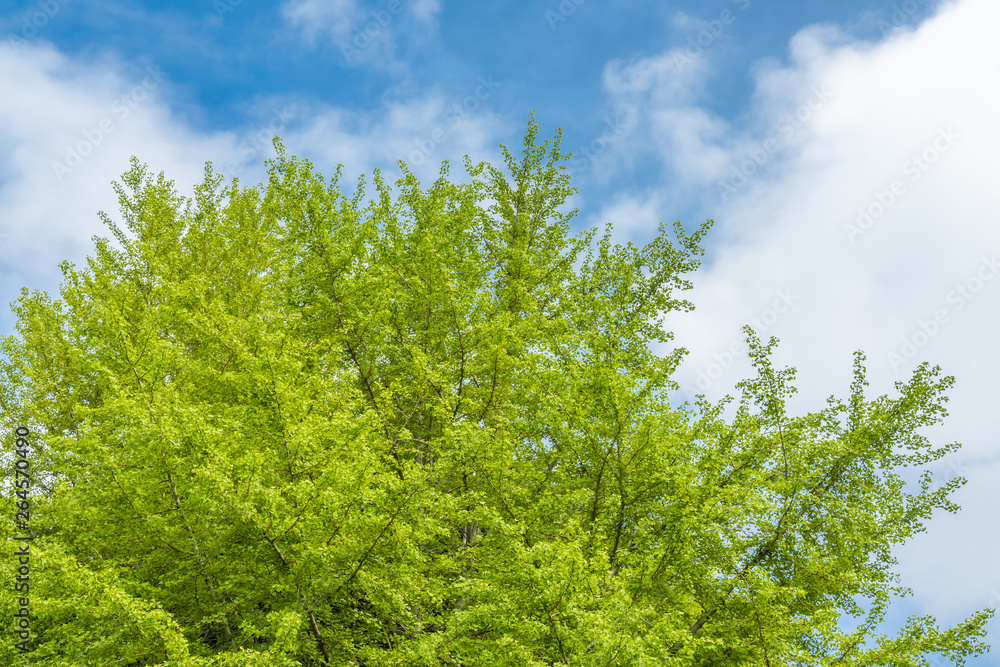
{"type": "Point", "coordinates": [847, 152]}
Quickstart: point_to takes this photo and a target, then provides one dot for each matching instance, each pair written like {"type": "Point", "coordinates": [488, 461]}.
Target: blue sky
{"type": "Point", "coordinates": [847, 152]}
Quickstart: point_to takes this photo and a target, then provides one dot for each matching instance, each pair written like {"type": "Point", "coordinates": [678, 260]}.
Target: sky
{"type": "Point", "coordinates": [845, 151]}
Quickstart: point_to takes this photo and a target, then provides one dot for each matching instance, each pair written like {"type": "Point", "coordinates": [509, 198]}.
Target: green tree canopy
{"type": "Point", "coordinates": [283, 425]}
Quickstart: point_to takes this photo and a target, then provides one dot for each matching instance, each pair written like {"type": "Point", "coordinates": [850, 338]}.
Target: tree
{"type": "Point", "coordinates": [281, 425]}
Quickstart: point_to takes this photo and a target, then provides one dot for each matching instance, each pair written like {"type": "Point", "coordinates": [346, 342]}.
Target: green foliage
{"type": "Point", "coordinates": [282, 425]}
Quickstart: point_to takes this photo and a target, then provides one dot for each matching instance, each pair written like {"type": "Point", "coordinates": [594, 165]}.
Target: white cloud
{"type": "Point", "coordinates": [850, 121]}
